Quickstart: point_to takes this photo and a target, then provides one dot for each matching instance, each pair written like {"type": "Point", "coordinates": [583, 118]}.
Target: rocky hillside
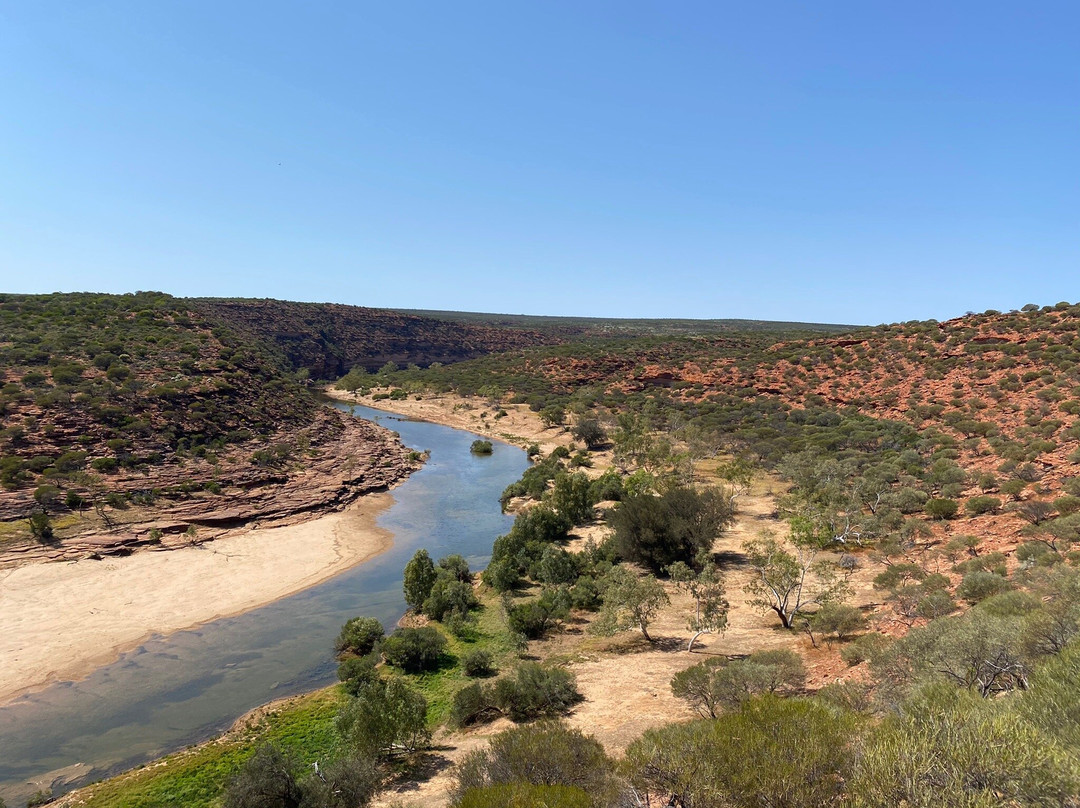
{"type": "Point", "coordinates": [115, 410]}
{"type": "Point", "coordinates": [327, 340]}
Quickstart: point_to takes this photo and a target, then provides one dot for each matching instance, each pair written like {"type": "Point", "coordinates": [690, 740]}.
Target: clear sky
{"type": "Point", "coordinates": [856, 162]}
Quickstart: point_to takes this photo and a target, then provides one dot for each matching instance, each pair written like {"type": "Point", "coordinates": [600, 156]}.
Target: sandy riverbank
{"type": "Point", "coordinates": [520, 425]}
{"type": "Point", "coordinates": [60, 621]}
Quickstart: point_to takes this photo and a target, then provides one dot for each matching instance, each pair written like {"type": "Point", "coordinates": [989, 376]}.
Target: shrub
{"type": "Point", "coordinates": [547, 753]}
{"type": "Point", "coordinates": [481, 447]}
{"type": "Point", "coordinates": [414, 649]}
{"type": "Point", "coordinates": [534, 690]}
{"type": "Point", "coordinates": [419, 578]}
{"type": "Point", "coordinates": [267, 779]}
{"type": "Point", "coordinates": [449, 597]}
{"type": "Point", "coordinates": [980, 505]}
{"type": "Point", "coordinates": [525, 795]}
{"type": "Point", "coordinates": [355, 673]}
{"type": "Point", "coordinates": [533, 618]}
{"type": "Point", "coordinates": [839, 619]}
{"type": "Point", "coordinates": [978, 586]}
{"type": "Point", "coordinates": [863, 648]}
{"type": "Point", "coordinates": [591, 433]}
{"type": "Point", "coordinates": [358, 636]}
{"type": "Point", "coordinates": [385, 717]}
{"type": "Point", "coordinates": [941, 508]}
{"type": "Point", "coordinates": [718, 683]}
{"type": "Point", "coordinates": [477, 663]}
{"type": "Point", "coordinates": [679, 525]}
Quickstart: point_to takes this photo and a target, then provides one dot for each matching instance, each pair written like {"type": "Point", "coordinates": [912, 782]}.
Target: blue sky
{"type": "Point", "coordinates": [827, 161]}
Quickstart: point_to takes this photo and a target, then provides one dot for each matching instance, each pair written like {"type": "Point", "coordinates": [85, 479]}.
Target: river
{"type": "Point", "coordinates": [190, 685]}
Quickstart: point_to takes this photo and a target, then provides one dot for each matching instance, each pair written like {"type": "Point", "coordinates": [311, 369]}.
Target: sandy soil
{"type": "Point", "coordinates": [519, 426]}
{"type": "Point", "coordinates": [60, 621]}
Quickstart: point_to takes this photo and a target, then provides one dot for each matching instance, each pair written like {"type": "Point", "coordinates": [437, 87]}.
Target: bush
{"type": "Point", "coordinates": [941, 508]}
{"type": "Point", "coordinates": [863, 648]}
{"type": "Point", "coordinates": [267, 779]}
{"type": "Point", "coordinates": [980, 505]}
{"type": "Point", "coordinates": [978, 586]}
{"type": "Point", "coordinates": [679, 525]}
{"type": "Point", "coordinates": [355, 673]}
{"type": "Point", "coordinates": [525, 795]}
{"type": "Point", "coordinates": [481, 447]}
{"type": "Point", "coordinates": [419, 578]}
{"type": "Point", "coordinates": [839, 619]}
{"type": "Point", "coordinates": [473, 704]}
{"type": "Point", "coordinates": [534, 690]}
{"type": "Point", "coordinates": [477, 663]}
{"type": "Point", "coordinates": [591, 433]}
{"type": "Point", "coordinates": [717, 684]}
{"type": "Point", "coordinates": [533, 618]}
{"type": "Point", "coordinates": [414, 649]}
{"type": "Point", "coordinates": [359, 636]}
{"type": "Point", "coordinates": [387, 716]}
{"type": "Point", "coordinates": [449, 597]}
{"type": "Point", "coordinates": [548, 754]}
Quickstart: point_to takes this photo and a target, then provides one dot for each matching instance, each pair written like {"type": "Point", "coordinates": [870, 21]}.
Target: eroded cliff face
{"type": "Point", "coordinates": [329, 339]}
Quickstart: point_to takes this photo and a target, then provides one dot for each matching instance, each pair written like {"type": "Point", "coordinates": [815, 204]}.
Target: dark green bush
{"type": "Point", "coordinates": [414, 649]}
{"type": "Point", "coordinates": [534, 690]}
{"type": "Point", "coordinates": [359, 636]}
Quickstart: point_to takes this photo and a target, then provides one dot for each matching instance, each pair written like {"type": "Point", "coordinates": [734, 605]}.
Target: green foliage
{"type": "Point", "coordinates": [572, 497]}
{"type": "Point", "coordinates": [591, 433]}
{"type": "Point", "coordinates": [477, 662]}
{"type": "Point", "coordinates": [359, 636]}
{"type": "Point", "coordinates": [481, 447]}
{"type": "Point", "coordinates": [839, 620]}
{"type": "Point", "coordinates": [268, 779]}
{"type": "Point", "coordinates": [525, 795]}
{"type": "Point", "coordinates": [772, 751]}
{"type": "Point", "coordinates": [718, 684]}
{"type": "Point", "coordinates": [980, 505]}
{"type": "Point", "coordinates": [979, 585]}
{"type": "Point", "coordinates": [419, 578]}
{"type": "Point", "coordinates": [547, 754]}
{"type": "Point", "coordinates": [449, 597]}
{"type": "Point", "coordinates": [629, 601]}
{"type": "Point", "coordinates": [941, 508]}
{"type": "Point", "coordinates": [679, 525]}
{"type": "Point", "coordinates": [386, 717]}
{"type": "Point", "coordinates": [535, 617]}
{"type": "Point", "coordinates": [534, 690]}
{"type": "Point", "coordinates": [414, 649]}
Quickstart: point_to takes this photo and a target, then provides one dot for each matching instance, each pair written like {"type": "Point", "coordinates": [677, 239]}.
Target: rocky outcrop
{"type": "Point", "coordinates": [362, 458]}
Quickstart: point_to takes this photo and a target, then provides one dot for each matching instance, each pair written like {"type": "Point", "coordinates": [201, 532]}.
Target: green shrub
{"type": "Point", "coordinates": [414, 649]}
{"type": "Point", "coordinates": [477, 663]}
{"type": "Point", "coordinates": [547, 753]}
{"type": "Point", "coordinates": [980, 505]}
{"type": "Point", "coordinates": [359, 636]}
{"type": "Point", "coordinates": [534, 690]}
{"type": "Point", "coordinates": [525, 795]}
{"type": "Point", "coordinates": [978, 586]}
{"type": "Point", "coordinates": [941, 508]}
{"type": "Point", "coordinates": [481, 447]}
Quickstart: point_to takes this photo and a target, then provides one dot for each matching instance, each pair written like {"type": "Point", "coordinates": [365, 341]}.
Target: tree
{"type": "Point", "coordinates": [710, 601]}
{"type": "Point", "coordinates": [630, 601]}
{"type": "Point", "coordinates": [419, 578]}
{"type": "Point", "coordinates": [359, 636]}
{"type": "Point", "coordinates": [387, 716]}
{"type": "Point", "coordinates": [553, 415]}
{"type": "Point", "coordinates": [414, 649]}
{"type": "Point", "coordinates": [267, 779]}
{"type": "Point", "coordinates": [717, 683]}
{"type": "Point", "coordinates": [679, 525]}
{"type": "Point", "coordinates": [791, 583]}
{"type": "Point", "coordinates": [590, 431]}
{"type": "Point", "coordinates": [572, 497]}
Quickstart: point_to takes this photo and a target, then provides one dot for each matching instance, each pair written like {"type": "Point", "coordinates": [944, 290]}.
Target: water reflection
{"type": "Point", "coordinates": [185, 687]}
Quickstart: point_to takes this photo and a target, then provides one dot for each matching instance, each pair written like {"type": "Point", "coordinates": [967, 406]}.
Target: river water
{"type": "Point", "coordinates": [188, 686]}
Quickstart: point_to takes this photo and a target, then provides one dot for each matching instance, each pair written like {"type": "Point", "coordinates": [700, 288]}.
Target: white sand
{"type": "Point", "coordinates": [60, 621]}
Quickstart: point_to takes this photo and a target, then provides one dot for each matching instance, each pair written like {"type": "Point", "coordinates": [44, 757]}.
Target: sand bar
{"type": "Point", "coordinates": [60, 621]}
